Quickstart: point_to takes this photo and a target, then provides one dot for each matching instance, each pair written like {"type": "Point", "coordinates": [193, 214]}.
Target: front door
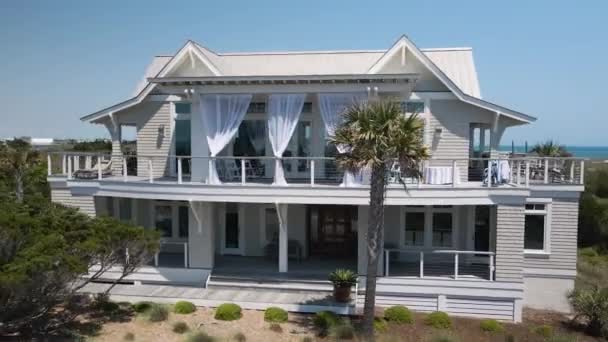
{"type": "Point", "coordinates": [334, 234]}
{"type": "Point", "coordinates": [481, 231]}
{"type": "Point", "coordinates": [232, 235]}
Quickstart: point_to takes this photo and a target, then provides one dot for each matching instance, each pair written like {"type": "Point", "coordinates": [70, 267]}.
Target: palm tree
{"type": "Point", "coordinates": [550, 148]}
{"type": "Point", "coordinates": [374, 136]}
{"type": "Point", "coordinates": [17, 159]}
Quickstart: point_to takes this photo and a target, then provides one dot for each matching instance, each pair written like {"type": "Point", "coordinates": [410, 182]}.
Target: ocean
{"type": "Point", "coordinates": [593, 152]}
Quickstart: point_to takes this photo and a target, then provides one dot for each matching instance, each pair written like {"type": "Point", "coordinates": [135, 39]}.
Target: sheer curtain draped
{"type": "Point", "coordinates": [332, 107]}
{"type": "Point", "coordinates": [221, 116]}
{"type": "Point", "coordinates": [283, 113]}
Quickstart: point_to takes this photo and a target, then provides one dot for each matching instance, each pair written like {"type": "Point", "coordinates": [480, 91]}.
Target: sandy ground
{"type": "Point", "coordinates": [252, 325]}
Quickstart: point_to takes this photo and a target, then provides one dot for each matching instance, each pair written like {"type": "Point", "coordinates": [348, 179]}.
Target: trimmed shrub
{"type": "Point", "coordinates": [180, 327]}
{"type": "Point", "coordinates": [592, 306]}
{"type": "Point", "coordinates": [380, 324]}
{"type": "Point", "coordinates": [183, 307]}
{"type": "Point", "coordinates": [129, 337]}
{"type": "Point", "coordinates": [399, 314]}
{"type": "Point", "coordinates": [157, 313]}
{"type": "Point", "coordinates": [491, 325]}
{"type": "Point", "coordinates": [199, 336]}
{"type": "Point", "coordinates": [545, 330]}
{"type": "Point", "coordinates": [240, 337]}
{"type": "Point", "coordinates": [276, 327]}
{"type": "Point", "coordinates": [274, 314]}
{"type": "Point", "coordinates": [324, 320]}
{"type": "Point", "coordinates": [439, 320]}
{"type": "Point", "coordinates": [228, 312]}
{"type": "Point", "coordinates": [342, 331]}
{"type": "Point", "coordinates": [141, 307]}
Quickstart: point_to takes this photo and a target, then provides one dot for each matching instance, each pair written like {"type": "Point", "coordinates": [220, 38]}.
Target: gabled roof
{"type": "Point", "coordinates": [453, 67]}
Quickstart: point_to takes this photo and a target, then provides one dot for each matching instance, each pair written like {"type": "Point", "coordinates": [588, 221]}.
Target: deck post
{"type": "Point", "coordinates": [69, 167]}
{"type": "Point", "coordinates": [283, 236]}
{"type": "Point", "coordinates": [87, 162]}
{"type": "Point", "coordinates": [546, 178]}
{"type": "Point", "coordinates": [454, 173]}
{"type": "Point", "coordinates": [124, 168]}
{"type": "Point", "coordinates": [572, 172]}
{"type": "Point", "coordinates": [312, 172]}
{"type": "Point", "coordinates": [582, 172]}
{"type": "Point", "coordinates": [421, 264]}
{"type": "Point", "coordinates": [99, 172]}
{"type": "Point", "coordinates": [156, 259]}
{"type": "Point", "coordinates": [64, 164]}
{"type": "Point", "coordinates": [76, 165]}
{"type": "Point", "coordinates": [491, 267]}
{"type": "Point", "coordinates": [243, 172]}
{"type": "Point", "coordinates": [150, 171]}
{"type": "Point", "coordinates": [179, 170]}
{"type": "Point", "coordinates": [48, 165]}
{"type": "Point", "coordinates": [527, 174]}
{"type": "Point", "coordinates": [455, 265]}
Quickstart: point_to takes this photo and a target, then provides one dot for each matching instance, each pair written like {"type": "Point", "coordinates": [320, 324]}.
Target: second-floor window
{"type": "Point", "coordinates": [536, 228]}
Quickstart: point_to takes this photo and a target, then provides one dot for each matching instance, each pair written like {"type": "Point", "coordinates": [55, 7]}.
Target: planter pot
{"type": "Point", "coordinates": [342, 293]}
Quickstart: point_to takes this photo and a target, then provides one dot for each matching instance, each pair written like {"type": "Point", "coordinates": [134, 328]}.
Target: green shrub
{"type": "Point", "coordinates": [129, 337]}
{"type": "Point", "coordinates": [180, 327]}
{"type": "Point", "coordinates": [183, 307]}
{"type": "Point", "coordinates": [491, 325]}
{"type": "Point", "coordinates": [545, 330]}
{"type": "Point", "coordinates": [228, 312]}
{"type": "Point", "coordinates": [342, 331]}
{"type": "Point", "coordinates": [399, 314]}
{"type": "Point", "coordinates": [157, 313]}
{"type": "Point", "coordinates": [592, 306]}
{"type": "Point", "coordinates": [439, 320]}
{"type": "Point", "coordinates": [274, 314]}
{"type": "Point", "coordinates": [199, 336]}
{"type": "Point", "coordinates": [141, 307]}
{"type": "Point", "coordinates": [588, 252]}
{"type": "Point", "coordinates": [324, 320]}
{"type": "Point", "coordinates": [380, 324]}
{"type": "Point", "coordinates": [276, 327]}
{"type": "Point", "coordinates": [240, 337]}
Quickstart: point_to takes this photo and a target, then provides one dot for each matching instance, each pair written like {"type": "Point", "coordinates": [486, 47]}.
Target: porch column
{"type": "Point", "coordinates": [114, 130]}
{"type": "Point", "coordinates": [283, 236]}
{"type": "Point", "coordinates": [509, 242]}
{"type": "Point", "coordinates": [201, 234]}
{"type": "Point", "coordinates": [362, 221]}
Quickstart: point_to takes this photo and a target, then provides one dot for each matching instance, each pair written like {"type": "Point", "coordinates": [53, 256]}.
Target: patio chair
{"type": "Point", "coordinates": [93, 172]}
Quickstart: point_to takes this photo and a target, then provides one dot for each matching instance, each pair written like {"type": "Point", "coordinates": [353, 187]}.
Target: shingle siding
{"type": "Point", "coordinates": [85, 203]}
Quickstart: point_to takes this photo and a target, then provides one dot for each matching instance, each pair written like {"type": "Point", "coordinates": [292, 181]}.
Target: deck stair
{"type": "Point", "coordinates": [269, 281]}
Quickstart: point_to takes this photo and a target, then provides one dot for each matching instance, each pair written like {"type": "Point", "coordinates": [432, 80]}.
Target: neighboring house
{"type": "Point", "coordinates": [212, 128]}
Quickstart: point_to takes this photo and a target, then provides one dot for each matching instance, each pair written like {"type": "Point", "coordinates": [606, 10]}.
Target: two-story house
{"type": "Point", "coordinates": [232, 164]}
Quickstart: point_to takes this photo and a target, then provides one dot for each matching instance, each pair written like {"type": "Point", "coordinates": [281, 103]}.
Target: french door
{"type": "Point", "coordinates": [232, 230]}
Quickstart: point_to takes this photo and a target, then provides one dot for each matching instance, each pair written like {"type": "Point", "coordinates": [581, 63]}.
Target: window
{"type": "Point", "coordinates": [231, 238]}
{"type": "Point", "coordinates": [183, 221]}
{"type": "Point", "coordinates": [536, 227]}
{"type": "Point", "coordinates": [414, 228]}
{"type": "Point", "coordinates": [442, 229]}
{"type": "Point", "coordinates": [163, 220]}
{"type": "Point", "coordinates": [183, 136]}
{"type": "Point", "coordinates": [110, 206]}
{"type": "Point", "coordinates": [124, 209]}
{"type": "Point", "coordinates": [183, 108]}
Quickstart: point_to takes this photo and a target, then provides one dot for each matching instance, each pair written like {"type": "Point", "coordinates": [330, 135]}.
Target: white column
{"type": "Point", "coordinates": [283, 236]}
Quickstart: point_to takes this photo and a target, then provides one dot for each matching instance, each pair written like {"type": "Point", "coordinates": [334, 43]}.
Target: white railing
{"type": "Point", "coordinates": [455, 253]}
{"type": "Point", "coordinates": [166, 243]}
{"type": "Point", "coordinates": [485, 172]}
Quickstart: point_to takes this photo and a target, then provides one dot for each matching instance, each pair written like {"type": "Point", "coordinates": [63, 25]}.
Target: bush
{"type": "Point", "coordinates": [183, 307]}
{"type": "Point", "coordinates": [399, 314]}
{"type": "Point", "coordinates": [141, 307]}
{"type": "Point", "coordinates": [324, 320]}
{"type": "Point", "coordinates": [276, 327]}
{"type": "Point", "coordinates": [228, 312]}
{"type": "Point", "coordinates": [180, 327]}
{"type": "Point", "coordinates": [380, 324]}
{"type": "Point", "coordinates": [439, 320]}
{"type": "Point", "coordinates": [588, 252]}
{"type": "Point", "coordinates": [491, 325]}
{"type": "Point", "coordinates": [157, 313]}
{"type": "Point", "coordinates": [545, 331]}
{"type": "Point", "coordinates": [129, 337]}
{"type": "Point", "coordinates": [240, 337]}
{"type": "Point", "coordinates": [274, 314]}
{"type": "Point", "coordinates": [199, 336]}
{"type": "Point", "coordinates": [592, 306]}
{"type": "Point", "coordinates": [342, 331]}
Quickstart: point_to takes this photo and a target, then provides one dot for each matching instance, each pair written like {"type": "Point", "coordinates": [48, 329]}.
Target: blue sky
{"type": "Point", "coordinates": [60, 60]}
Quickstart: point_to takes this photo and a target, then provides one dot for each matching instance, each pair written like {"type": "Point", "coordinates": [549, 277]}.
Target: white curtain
{"type": "Point", "coordinates": [221, 116]}
{"type": "Point", "coordinates": [332, 107]}
{"type": "Point", "coordinates": [283, 113]}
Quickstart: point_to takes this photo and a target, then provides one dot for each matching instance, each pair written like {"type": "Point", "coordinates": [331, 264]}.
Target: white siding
{"type": "Point", "coordinates": [509, 242]}
{"type": "Point", "coordinates": [477, 307]}
{"type": "Point", "coordinates": [84, 203]}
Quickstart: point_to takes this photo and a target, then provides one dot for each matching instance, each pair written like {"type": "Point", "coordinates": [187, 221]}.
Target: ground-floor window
{"type": "Point", "coordinates": [171, 219]}
{"type": "Point", "coordinates": [430, 226]}
{"type": "Point", "coordinates": [536, 227]}
{"type": "Point", "coordinates": [231, 237]}
{"type": "Point", "coordinates": [124, 209]}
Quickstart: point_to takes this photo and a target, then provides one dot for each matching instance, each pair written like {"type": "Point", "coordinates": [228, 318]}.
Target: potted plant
{"type": "Point", "coordinates": [343, 280]}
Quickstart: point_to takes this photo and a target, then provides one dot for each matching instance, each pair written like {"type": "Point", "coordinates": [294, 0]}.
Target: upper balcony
{"type": "Point", "coordinates": [242, 176]}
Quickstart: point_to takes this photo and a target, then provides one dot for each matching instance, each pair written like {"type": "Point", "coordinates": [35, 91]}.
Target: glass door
{"type": "Point", "coordinates": [299, 146]}
{"type": "Point", "coordinates": [232, 242]}
{"type": "Point", "coordinates": [183, 137]}
{"type": "Point", "coordinates": [481, 231]}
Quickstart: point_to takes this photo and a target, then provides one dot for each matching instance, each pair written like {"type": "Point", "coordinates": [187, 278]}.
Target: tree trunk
{"type": "Point", "coordinates": [19, 185]}
{"type": "Point", "coordinates": [375, 240]}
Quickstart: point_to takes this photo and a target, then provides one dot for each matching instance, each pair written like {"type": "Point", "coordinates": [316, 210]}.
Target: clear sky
{"type": "Point", "coordinates": [60, 60]}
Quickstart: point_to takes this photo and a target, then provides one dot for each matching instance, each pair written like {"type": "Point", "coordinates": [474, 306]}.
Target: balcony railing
{"type": "Point", "coordinates": [470, 172]}
{"type": "Point", "coordinates": [461, 268]}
